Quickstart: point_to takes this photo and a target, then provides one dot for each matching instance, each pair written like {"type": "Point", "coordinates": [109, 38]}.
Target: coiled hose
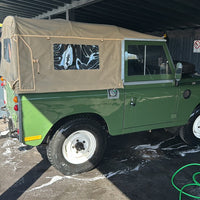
{"type": "Point", "coordinates": [195, 182]}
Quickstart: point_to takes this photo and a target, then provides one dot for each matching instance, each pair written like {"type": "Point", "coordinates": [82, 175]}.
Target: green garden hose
{"type": "Point", "coordinates": [195, 182]}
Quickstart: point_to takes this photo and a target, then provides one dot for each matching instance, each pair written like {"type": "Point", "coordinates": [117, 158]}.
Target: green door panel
{"type": "Point", "coordinates": [150, 104]}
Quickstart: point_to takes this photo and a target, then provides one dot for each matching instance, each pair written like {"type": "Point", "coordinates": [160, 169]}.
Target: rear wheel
{"type": "Point", "coordinates": [77, 146]}
{"type": "Point", "coordinates": [190, 133]}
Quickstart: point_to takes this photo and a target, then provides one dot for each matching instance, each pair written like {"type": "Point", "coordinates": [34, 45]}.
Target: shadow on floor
{"type": "Point", "coordinates": [22, 184]}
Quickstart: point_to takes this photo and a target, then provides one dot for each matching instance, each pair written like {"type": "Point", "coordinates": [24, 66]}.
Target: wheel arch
{"type": "Point", "coordinates": [60, 122]}
{"type": "Point", "coordinates": [197, 107]}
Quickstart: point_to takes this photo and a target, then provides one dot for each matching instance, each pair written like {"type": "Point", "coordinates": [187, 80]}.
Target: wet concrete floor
{"type": "Point", "coordinates": [137, 166]}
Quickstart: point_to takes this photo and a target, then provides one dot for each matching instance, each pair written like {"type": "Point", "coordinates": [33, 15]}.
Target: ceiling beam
{"type": "Point", "coordinates": [41, 3]}
{"type": "Point", "coordinates": [62, 9]}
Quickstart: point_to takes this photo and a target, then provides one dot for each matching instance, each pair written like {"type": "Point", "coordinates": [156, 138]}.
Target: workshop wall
{"type": "Point", "coordinates": [181, 46]}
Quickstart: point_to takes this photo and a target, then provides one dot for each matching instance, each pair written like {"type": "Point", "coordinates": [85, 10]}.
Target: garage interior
{"type": "Point", "coordinates": [180, 21]}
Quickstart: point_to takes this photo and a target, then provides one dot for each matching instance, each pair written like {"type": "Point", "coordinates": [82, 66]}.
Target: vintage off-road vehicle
{"type": "Point", "coordinates": [75, 83]}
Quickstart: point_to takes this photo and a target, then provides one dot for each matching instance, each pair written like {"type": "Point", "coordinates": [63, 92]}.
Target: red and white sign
{"type": "Point", "coordinates": [196, 48]}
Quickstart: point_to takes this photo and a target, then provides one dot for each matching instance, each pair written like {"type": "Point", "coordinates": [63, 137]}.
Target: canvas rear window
{"type": "Point", "coordinates": [7, 49]}
{"type": "Point", "coordinates": [76, 57]}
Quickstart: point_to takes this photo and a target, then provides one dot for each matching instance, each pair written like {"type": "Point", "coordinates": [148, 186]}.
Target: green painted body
{"type": "Point", "coordinates": [155, 105]}
{"type": "Point", "coordinates": [41, 111]}
{"type": "Point", "coordinates": [10, 104]}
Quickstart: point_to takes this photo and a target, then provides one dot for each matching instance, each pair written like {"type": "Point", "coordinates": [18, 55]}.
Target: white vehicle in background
{"type": "Point", "coordinates": [3, 95]}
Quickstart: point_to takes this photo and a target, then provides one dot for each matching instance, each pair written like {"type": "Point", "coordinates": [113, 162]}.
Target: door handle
{"type": "Point", "coordinates": [133, 102]}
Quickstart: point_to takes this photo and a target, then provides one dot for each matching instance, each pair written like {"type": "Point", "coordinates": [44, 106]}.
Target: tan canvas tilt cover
{"type": "Point", "coordinates": [31, 43]}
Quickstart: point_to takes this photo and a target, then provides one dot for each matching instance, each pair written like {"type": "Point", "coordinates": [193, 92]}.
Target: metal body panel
{"type": "Point", "coordinates": [20, 120]}
{"type": "Point", "coordinates": [145, 40]}
{"type": "Point", "coordinates": [148, 82]}
{"type": "Point", "coordinates": [185, 105]}
{"type": "Point", "coordinates": [153, 104]}
{"type": "Point", "coordinates": [41, 111]}
{"type": "Point", "coordinates": [164, 113]}
{"type": "Point", "coordinates": [10, 104]}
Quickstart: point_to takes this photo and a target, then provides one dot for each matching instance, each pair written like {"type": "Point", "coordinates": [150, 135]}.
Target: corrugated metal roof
{"type": "Point", "coordinates": [34, 8]}
{"type": "Point", "coordinates": [25, 8]}
{"type": "Point", "coordinates": [139, 15]}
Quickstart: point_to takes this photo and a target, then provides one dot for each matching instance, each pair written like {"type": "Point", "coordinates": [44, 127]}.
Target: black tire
{"type": "Point", "coordinates": [69, 131]}
{"type": "Point", "coordinates": [186, 132]}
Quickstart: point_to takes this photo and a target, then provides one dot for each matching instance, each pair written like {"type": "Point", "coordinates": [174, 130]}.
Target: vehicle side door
{"type": "Point", "coordinates": [150, 92]}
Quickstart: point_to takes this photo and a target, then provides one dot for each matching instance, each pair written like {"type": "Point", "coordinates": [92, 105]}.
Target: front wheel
{"type": "Point", "coordinates": [77, 146]}
{"type": "Point", "coordinates": [190, 133]}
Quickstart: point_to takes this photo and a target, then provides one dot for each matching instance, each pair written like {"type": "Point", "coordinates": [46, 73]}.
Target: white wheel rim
{"type": "Point", "coordinates": [79, 147]}
{"type": "Point", "coordinates": [196, 127]}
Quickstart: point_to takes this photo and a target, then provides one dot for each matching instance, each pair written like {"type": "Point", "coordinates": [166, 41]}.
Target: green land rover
{"type": "Point", "coordinates": [73, 84]}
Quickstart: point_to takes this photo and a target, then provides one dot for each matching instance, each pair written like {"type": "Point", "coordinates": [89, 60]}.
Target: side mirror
{"type": "Point", "coordinates": [178, 73]}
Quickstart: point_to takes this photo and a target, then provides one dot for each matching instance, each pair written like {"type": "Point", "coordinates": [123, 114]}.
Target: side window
{"type": "Point", "coordinates": [135, 60]}
{"type": "Point", "coordinates": [148, 60]}
{"type": "Point", "coordinates": [76, 57]}
{"type": "Point", "coordinates": [7, 49]}
{"type": "Point", "coordinates": [156, 61]}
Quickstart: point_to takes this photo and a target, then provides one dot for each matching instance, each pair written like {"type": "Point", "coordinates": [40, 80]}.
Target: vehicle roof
{"type": "Point", "coordinates": [60, 27]}
{"type": "Point", "coordinates": [32, 65]}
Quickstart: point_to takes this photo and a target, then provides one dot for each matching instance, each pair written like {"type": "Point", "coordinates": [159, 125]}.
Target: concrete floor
{"type": "Point", "coordinates": [137, 166]}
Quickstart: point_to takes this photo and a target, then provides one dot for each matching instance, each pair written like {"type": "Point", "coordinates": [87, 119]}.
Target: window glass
{"type": "Point", "coordinates": [156, 61]}
{"type": "Point", "coordinates": [76, 57]}
{"type": "Point", "coordinates": [147, 60]}
{"type": "Point", "coordinates": [7, 49]}
{"type": "Point", "coordinates": [135, 60]}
